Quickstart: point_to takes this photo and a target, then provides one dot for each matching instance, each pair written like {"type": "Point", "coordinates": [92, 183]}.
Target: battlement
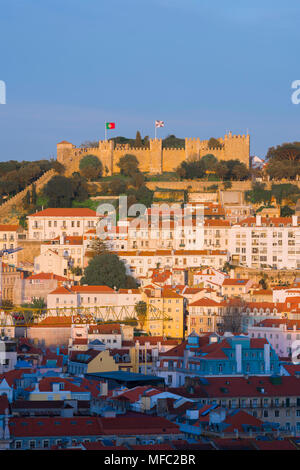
{"type": "Point", "coordinates": [155, 158]}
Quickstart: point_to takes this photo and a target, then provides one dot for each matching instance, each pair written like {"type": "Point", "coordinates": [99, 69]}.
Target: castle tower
{"type": "Point", "coordinates": [64, 150]}
{"type": "Point", "coordinates": [237, 147]}
{"type": "Point", "coordinates": [106, 154]}
{"type": "Point", "coordinates": [155, 156]}
{"type": "Point", "coordinates": [192, 149]}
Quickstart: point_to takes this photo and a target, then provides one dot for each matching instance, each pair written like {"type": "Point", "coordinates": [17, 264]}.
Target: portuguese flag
{"type": "Point", "coordinates": [110, 125]}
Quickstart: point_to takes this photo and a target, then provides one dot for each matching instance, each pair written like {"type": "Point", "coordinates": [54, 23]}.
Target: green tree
{"type": "Point", "coordinates": [191, 169]}
{"type": "Point", "coordinates": [91, 167]}
{"type": "Point", "coordinates": [27, 200]}
{"type": "Point", "coordinates": [287, 151]}
{"type": "Point", "coordinates": [263, 283]}
{"type": "Point", "coordinates": [33, 195]}
{"type": "Point", "coordinates": [108, 270]}
{"type": "Point", "coordinates": [37, 302]}
{"type": "Point", "coordinates": [98, 247]}
{"type": "Point", "coordinates": [137, 180]}
{"type": "Point", "coordinates": [79, 187]}
{"type": "Point", "coordinates": [227, 184]}
{"type": "Point", "coordinates": [117, 187]}
{"type": "Point", "coordinates": [286, 211]}
{"type": "Point", "coordinates": [128, 165]}
{"type": "Point", "coordinates": [214, 143]}
{"type": "Point", "coordinates": [7, 304]}
{"type": "Point", "coordinates": [144, 196]}
{"type": "Point", "coordinates": [209, 161]}
{"type": "Point", "coordinates": [240, 171]}
{"type": "Point", "coordinates": [138, 139]}
{"type": "Point", "coordinates": [59, 191]}
{"type": "Point", "coordinates": [58, 167]}
{"type": "Point", "coordinates": [76, 270]}
{"type": "Point", "coordinates": [171, 141]}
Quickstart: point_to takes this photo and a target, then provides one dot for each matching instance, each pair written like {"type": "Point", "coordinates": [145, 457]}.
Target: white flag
{"type": "Point", "coordinates": [159, 123]}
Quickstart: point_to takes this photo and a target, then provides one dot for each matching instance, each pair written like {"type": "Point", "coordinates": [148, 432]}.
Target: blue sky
{"type": "Point", "coordinates": [203, 67]}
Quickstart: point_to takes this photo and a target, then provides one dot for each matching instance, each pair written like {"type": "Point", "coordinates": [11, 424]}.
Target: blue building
{"type": "Point", "coordinates": [212, 355]}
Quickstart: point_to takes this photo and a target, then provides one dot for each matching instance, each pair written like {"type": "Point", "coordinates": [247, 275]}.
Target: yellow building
{"type": "Point", "coordinates": [165, 312]}
{"type": "Point", "coordinates": [204, 315]}
{"type": "Point", "coordinates": [108, 360]}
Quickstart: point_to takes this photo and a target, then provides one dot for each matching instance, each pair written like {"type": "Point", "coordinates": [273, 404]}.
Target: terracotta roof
{"type": "Point", "coordinates": [83, 289]}
{"type": "Point", "coordinates": [239, 419]}
{"type": "Point", "coordinates": [55, 321]}
{"type": "Point", "coordinates": [65, 212]}
{"type": "Point", "coordinates": [283, 444]}
{"type": "Point", "coordinates": [235, 282]}
{"type": "Point", "coordinates": [45, 384]}
{"type": "Point", "coordinates": [132, 424]}
{"type": "Point", "coordinates": [206, 302]}
{"type": "Point", "coordinates": [267, 221]}
{"type": "Point", "coordinates": [68, 240]}
{"type": "Point", "coordinates": [9, 228]}
{"type": "Point", "coordinates": [55, 426]}
{"type": "Point", "coordinates": [47, 276]}
{"type": "Point", "coordinates": [222, 387]}
{"type": "Point", "coordinates": [105, 329]}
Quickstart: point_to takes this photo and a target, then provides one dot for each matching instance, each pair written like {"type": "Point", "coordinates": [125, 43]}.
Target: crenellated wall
{"type": "Point", "coordinates": [155, 159]}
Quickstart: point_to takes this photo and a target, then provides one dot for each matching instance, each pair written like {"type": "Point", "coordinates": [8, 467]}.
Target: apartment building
{"type": "Point", "coordinates": [37, 286]}
{"type": "Point", "coordinates": [214, 356]}
{"type": "Point", "coordinates": [204, 315]}
{"type": "Point", "coordinates": [256, 312]}
{"type": "Point", "coordinates": [102, 301]}
{"type": "Point", "coordinates": [281, 334]}
{"type": "Point", "coordinates": [266, 242]}
{"type": "Point", "coordinates": [10, 238]}
{"type": "Point", "coordinates": [70, 252]}
{"type": "Point", "coordinates": [165, 312]}
{"type": "Point", "coordinates": [10, 276]}
{"type": "Point", "coordinates": [235, 287]}
{"type": "Point", "coordinates": [273, 399]}
{"type": "Point", "coordinates": [51, 223]}
{"type": "Point", "coordinates": [139, 262]}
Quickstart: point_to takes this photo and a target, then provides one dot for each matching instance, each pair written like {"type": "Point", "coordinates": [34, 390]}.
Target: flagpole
{"type": "Point", "coordinates": [155, 130]}
{"type": "Point", "coordinates": [105, 138]}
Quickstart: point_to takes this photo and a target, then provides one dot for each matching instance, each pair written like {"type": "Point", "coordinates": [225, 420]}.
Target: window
{"type": "Point", "coordinates": [18, 445]}
{"type": "Point", "coordinates": [32, 444]}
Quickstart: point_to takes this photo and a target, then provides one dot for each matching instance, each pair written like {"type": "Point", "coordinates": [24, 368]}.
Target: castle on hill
{"type": "Point", "coordinates": [155, 159]}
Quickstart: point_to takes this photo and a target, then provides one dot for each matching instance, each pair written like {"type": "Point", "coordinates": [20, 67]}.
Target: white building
{"type": "Point", "coordinates": [280, 333]}
{"type": "Point", "coordinates": [264, 242]}
{"type": "Point", "coordinates": [51, 223]}
{"type": "Point", "coordinates": [140, 262]}
{"type": "Point", "coordinates": [101, 301]}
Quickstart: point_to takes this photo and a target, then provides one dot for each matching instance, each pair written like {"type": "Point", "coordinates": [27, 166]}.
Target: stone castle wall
{"type": "Point", "coordinates": [155, 159]}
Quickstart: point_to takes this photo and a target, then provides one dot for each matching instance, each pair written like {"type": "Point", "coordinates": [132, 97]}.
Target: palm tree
{"type": "Point", "coordinates": [141, 312]}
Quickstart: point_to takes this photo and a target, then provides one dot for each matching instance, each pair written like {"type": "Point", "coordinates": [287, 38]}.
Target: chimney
{"type": "Point", "coordinates": [61, 240]}
{"type": "Point", "coordinates": [103, 388]}
{"type": "Point", "coordinates": [258, 220]}
{"type": "Point", "coordinates": [294, 220]}
{"type": "Point", "coordinates": [267, 357]}
{"type": "Point", "coordinates": [238, 358]}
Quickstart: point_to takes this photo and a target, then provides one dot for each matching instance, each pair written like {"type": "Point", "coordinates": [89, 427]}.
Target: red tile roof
{"type": "Point", "coordinates": [222, 387]}
{"type": "Point", "coordinates": [68, 212]}
{"type": "Point", "coordinates": [105, 329]}
{"type": "Point", "coordinates": [47, 276]}
{"type": "Point", "coordinates": [206, 302]}
{"type": "Point", "coordinates": [9, 228]}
